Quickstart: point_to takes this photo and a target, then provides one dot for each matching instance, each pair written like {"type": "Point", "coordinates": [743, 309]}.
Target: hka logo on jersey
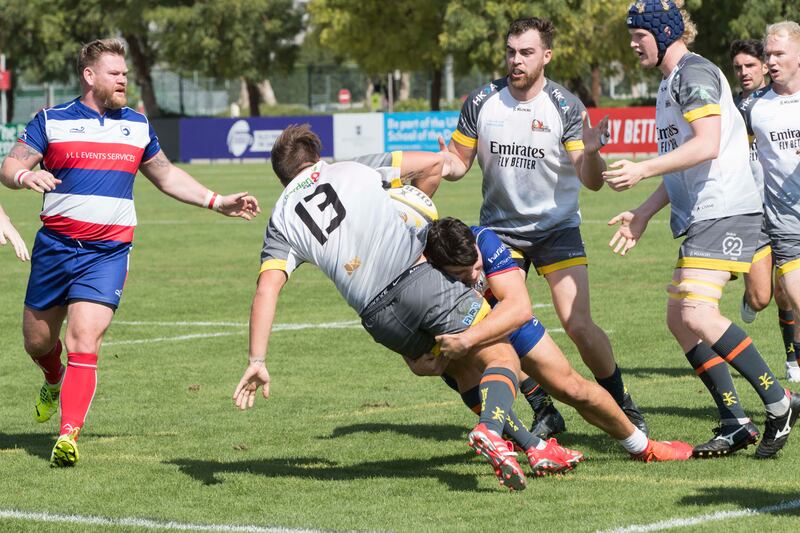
{"type": "Point", "coordinates": [483, 94]}
{"type": "Point", "coordinates": [562, 102]}
{"type": "Point", "coordinates": [538, 126]}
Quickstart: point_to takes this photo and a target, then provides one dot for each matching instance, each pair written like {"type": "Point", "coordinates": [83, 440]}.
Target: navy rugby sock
{"type": "Point", "coordinates": [715, 375]}
{"type": "Point", "coordinates": [613, 384]}
{"type": "Point", "coordinates": [498, 388]}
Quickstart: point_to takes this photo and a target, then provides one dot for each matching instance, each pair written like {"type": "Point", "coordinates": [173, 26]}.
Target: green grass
{"type": "Point", "coordinates": [350, 439]}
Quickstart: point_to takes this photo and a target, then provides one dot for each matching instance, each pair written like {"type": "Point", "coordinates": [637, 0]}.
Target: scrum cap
{"type": "Point", "coordinates": [662, 18]}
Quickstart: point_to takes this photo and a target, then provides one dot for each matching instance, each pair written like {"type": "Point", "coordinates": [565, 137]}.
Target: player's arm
{"type": "Point", "coordinates": [8, 233]}
{"type": "Point", "coordinates": [262, 316]}
{"type": "Point", "coordinates": [588, 163]}
{"type": "Point", "coordinates": [16, 171]}
{"type": "Point", "coordinates": [462, 157]}
{"type": "Point", "coordinates": [633, 223]}
{"type": "Point", "coordinates": [179, 184]}
{"type": "Point", "coordinates": [702, 147]}
{"type": "Point", "coordinates": [512, 310]}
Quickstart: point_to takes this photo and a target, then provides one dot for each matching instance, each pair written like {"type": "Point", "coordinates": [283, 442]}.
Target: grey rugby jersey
{"type": "Point", "coordinates": [719, 188]}
{"type": "Point", "coordinates": [529, 183]}
{"type": "Point", "coordinates": [340, 218]}
{"type": "Point", "coordinates": [774, 120]}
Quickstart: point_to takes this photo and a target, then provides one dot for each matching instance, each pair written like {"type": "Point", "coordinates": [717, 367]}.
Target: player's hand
{"type": "Point", "coordinates": [40, 181]}
{"type": "Point", "coordinates": [240, 204]}
{"type": "Point", "coordinates": [625, 174]}
{"type": "Point", "coordinates": [594, 138]}
{"type": "Point", "coordinates": [631, 228]}
{"type": "Point", "coordinates": [8, 233]}
{"type": "Point", "coordinates": [255, 376]}
{"type": "Point", "coordinates": [427, 365]}
{"type": "Point", "coordinates": [455, 345]}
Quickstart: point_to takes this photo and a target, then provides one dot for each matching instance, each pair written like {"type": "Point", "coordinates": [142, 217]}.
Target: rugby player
{"type": "Point", "coordinates": [772, 116]}
{"type": "Point", "coordinates": [8, 233]}
{"type": "Point", "coordinates": [329, 216]}
{"type": "Point", "coordinates": [535, 148]}
{"type": "Point", "coordinates": [716, 206]}
{"type": "Point", "coordinates": [89, 150]}
{"type": "Point", "coordinates": [477, 257]}
{"type": "Point", "coordinates": [748, 65]}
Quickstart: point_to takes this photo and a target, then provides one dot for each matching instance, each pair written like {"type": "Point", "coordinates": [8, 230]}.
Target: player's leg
{"type": "Point", "coordinates": [786, 323]}
{"type": "Point", "coordinates": [569, 288]}
{"type": "Point", "coordinates": [40, 330]}
{"type": "Point", "coordinates": [757, 284]}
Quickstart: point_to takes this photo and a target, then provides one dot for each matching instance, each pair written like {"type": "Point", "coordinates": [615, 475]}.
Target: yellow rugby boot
{"type": "Point", "coordinates": [46, 402]}
{"type": "Point", "coordinates": [65, 452]}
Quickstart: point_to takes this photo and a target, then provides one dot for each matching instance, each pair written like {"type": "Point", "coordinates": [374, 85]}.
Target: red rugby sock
{"type": "Point", "coordinates": [50, 363]}
{"type": "Point", "coordinates": [77, 390]}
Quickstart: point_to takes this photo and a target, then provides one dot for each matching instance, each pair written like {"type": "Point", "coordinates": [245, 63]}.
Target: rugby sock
{"type": "Point", "coordinates": [636, 443]}
{"type": "Point", "coordinates": [786, 323]}
{"type": "Point", "coordinates": [77, 390]}
{"type": "Point", "coordinates": [51, 366]}
{"type": "Point", "coordinates": [534, 394]}
{"type": "Point", "coordinates": [795, 353]}
{"type": "Point", "coordinates": [613, 384]}
{"type": "Point", "coordinates": [513, 428]}
{"type": "Point", "coordinates": [715, 375]}
{"type": "Point", "coordinates": [737, 348]}
{"type": "Point", "coordinates": [498, 388]}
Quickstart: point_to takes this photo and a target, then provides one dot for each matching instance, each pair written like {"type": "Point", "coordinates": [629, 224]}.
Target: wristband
{"type": "Point", "coordinates": [212, 201]}
{"type": "Point", "coordinates": [20, 175]}
{"type": "Point", "coordinates": [256, 361]}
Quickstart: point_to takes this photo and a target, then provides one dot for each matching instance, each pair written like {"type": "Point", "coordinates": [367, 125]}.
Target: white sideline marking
{"type": "Point", "coordinates": [276, 327]}
{"type": "Point", "coordinates": [140, 523]}
{"type": "Point", "coordinates": [702, 519]}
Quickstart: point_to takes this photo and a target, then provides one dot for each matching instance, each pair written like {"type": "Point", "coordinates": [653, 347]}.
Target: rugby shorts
{"type": "Point", "coordinates": [548, 252]}
{"type": "Point", "coordinates": [727, 244]}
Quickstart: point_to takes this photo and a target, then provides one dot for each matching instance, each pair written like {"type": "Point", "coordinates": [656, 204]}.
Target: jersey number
{"type": "Point", "coordinates": [330, 199]}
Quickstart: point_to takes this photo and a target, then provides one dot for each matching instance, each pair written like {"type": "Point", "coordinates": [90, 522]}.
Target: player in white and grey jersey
{"type": "Point", "coordinates": [747, 57]}
{"type": "Point", "coordinates": [535, 149]}
{"type": "Point", "coordinates": [339, 218]}
{"type": "Point", "coordinates": [703, 156]}
{"type": "Point", "coordinates": [773, 117]}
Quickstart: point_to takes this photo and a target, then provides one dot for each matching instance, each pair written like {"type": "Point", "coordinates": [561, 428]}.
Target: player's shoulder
{"type": "Point", "coordinates": [562, 98]}
{"type": "Point", "coordinates": [131, 115]}
{"type": "Point", "coordinates": [760, 95]}
{"type": "Point", "coordinates": [485, 237]}
{"type": "Point", "coordinates": [693, 66]}
{"type": "Point", "coordinates": [477, 98]}
{"type": "Point", "coordinates": [66, 111]}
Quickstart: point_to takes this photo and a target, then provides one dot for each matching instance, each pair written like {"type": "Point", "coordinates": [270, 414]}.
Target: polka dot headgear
{"type": "Point", "coordinates": [662, 18]}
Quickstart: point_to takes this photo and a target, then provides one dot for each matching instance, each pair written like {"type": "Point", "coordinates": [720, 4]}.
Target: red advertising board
{"type": "Point", "coordinates": [632, 129]}
{"type": "Point", "coordinates": [5, 80]}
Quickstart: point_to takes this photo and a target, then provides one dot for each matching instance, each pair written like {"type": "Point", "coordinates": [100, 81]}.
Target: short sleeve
{"type": "Point", "coordinates": [153, 146]}
{"type": "Point", "coordinates": [571, 109]}
{"type": "Point", "coordinates": [277, 254]}
{"type": "Point", "coordinates": [387, 164]}
{"type": "Point", "coordinates": [35, 133]}
{"type": "Point", "coordinates": [466, 133]}
{"type": "Point", "coordinates": [496, 255]}
{"type": "Point", "coordinates": [698, 90]}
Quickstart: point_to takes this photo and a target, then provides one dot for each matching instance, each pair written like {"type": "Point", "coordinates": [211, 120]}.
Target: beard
{"type": "Point", "coordinates": [110, 98]}
{"type": "Point", "coordinates": [526, 82]}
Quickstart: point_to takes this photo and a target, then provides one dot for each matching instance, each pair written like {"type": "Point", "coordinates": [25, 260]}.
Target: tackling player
{"type": "Point", "coordinates": [478, 258]}
{"type": "Point", "coordinates": [749, 67]}
{"type": "Point", "coordinates": [772, 116]}
{"type": "Point", "coordinates": [715, 205]}
{"type": "Point", "coordinates": [535, 148]}
{"type": "Point", "coordinates": [8, 233]}
{"type": "Point", "coordinates": [327, 215]}
{"type": "Point", "coordinates": [89, 150]}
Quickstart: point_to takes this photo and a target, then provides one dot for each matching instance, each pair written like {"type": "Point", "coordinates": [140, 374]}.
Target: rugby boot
{"type": "Point", "coordinates": [792, 372]}
{"type": "Point", "coordinates": [553, 459]}
{"type": "Point", "coordinates": [500, 455]}
{"type": "Point", "coordinates": [548, 422]}
{"type": "Point", "coordinates": [664, 450]}
{"type": "Point", "coordinates": [634, 414]}
{"type": "Point", "coordinates": [65, 452]}
{"type": "Point", "coordinates": [46, 402]}
{"type": "Point", "coordinates": [727, 440]}
{"type": "Point", "coordinates": [777, 428]}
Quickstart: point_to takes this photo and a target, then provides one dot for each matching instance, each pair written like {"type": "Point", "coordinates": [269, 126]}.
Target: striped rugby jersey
{"type": "Point", "coordinates": [96, 158]}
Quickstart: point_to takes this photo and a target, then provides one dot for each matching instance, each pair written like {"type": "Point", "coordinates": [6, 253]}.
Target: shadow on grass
{"type": "Point", "coordinates": [649, 372]}
{"type": "Point", "coordinates": [35, 444]}
{"type": "Point", "coordinates": [785, 503]}
{"type": "Point", "coordinates": [435, 432]}
{"type": "Point", "coordinates": [321, 469]}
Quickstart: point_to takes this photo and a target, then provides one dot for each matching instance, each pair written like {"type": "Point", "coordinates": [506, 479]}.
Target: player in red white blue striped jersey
{"type": "Point", "coordinates": [89, 151]}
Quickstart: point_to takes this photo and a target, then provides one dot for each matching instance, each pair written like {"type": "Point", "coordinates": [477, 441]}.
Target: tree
{"type": "Point", "coordinates": [230, 39]}
{"type": "Point", "coordinates": [383, 37]}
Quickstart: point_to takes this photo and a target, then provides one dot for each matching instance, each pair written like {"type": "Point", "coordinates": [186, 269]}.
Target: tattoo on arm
{"type": "Point", "coordinates": [24, 153]}
{"type": "Point", "coordinates": [159, 160]}
{"type": "Point", "coordinates": [410, 176]}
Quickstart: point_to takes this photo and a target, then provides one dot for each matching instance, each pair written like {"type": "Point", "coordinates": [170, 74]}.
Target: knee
{"type": "Point", "coordinates": [695, 317]}
{"type": "Point", "coordinates": [758, 298]}
{"type": "Point", "coordinates": [38, 346]}
{"type": "Point", "coordinates": [579, 329]}
{"type": "Point", "coordinates": [572, 390]}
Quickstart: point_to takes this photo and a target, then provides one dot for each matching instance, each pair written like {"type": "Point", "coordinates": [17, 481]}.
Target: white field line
{"type": "Point", "coordinates": [140, 523]}
{"type": "Point", "coordinates": [702, 519]}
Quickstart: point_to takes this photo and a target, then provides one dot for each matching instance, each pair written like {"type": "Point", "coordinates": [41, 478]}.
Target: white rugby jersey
{"type": "Point", "coordinates": [529, 183]}
{"type": "Point", "coordinates": [719, 188]}
{"type": "Point", "coordinates": [755, 164]}
{"type": "Point", "coordinates": [339, 217]}
{"type": "Point", "coordinates": [774, 120]}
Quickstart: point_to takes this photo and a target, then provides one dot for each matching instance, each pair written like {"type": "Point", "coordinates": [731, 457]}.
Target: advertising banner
{"type": "Point", "coordinates": [244, 138]}
{"type": "Point", "coordinates": [8, 136]}
{"type": "Point", "coordinates": [418, 130]}
{"type": "Point", "coordinates": [632, 129]}
{"type": "Point", "coordinates": [356, 134]}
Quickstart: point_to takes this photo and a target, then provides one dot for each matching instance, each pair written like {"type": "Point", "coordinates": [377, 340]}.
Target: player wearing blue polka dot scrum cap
{"type": "Point", "coordinates": [716, 209]}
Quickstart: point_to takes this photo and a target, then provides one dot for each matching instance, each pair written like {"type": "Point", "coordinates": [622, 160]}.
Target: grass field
{"type": "Point", "coordinates": [350, 439]}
